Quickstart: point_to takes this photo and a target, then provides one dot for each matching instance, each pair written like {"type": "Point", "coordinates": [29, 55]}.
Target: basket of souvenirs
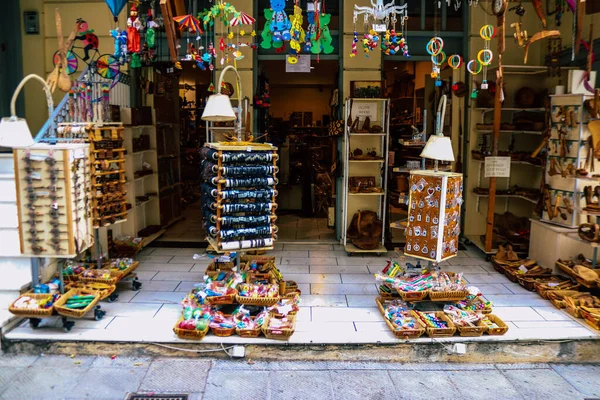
{"type": "Point", "coordinates": [402, 323]}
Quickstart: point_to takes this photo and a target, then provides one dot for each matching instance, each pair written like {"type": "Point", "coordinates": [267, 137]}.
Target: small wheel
{"type": "Point", "coordinates": [34, 322]}
{"type": "Point", "coordinates": [98, 313]}
{"type": "Point", "coordinates": [136, 285]}
{"type": "Point", "coordinates": [488, 258]}
{"type": "Point", "coordinates": [378, 254]}
{"type": "Point", "coordinates": [112, 298]}
{"type": "Point", "coordinates": [467, 242]}
{"type": "Point", "coordinates": [349, 254]}
{"type": "Point", "coordinates": [68, 325]}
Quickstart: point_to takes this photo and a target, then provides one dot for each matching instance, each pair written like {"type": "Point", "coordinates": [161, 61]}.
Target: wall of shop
{"type": "Point", "coordinates": [38, 49]}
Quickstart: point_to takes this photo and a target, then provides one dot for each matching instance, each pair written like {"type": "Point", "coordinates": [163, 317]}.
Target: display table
{"type": "Point", "coordinates": [551, 242]}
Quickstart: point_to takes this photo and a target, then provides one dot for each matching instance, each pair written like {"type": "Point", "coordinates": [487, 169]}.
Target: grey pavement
{"type": "Point", "coordinates": [62, 377]}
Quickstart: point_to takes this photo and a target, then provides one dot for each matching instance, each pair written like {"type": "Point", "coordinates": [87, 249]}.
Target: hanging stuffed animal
{"type": "Point", "coordinates": [322, 40]}
{"type": "Point", "coordinates": [151, 25]}
{"type": "Point", "coordinates": [87, 37]}
{"type": "Point", "coordinates": [280, 24]}
{"type": "Point", "coordinates": [134, 25]}
{"type": "Point", "coordinates": [120, 44]}
{"type": "Point", "coordinates": [311, 30]}
{"type": "Point", "coordinates": [297, 32]}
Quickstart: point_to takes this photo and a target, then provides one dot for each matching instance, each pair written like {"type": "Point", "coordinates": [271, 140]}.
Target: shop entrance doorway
{"type": "Point", "coordinates": [302, 106]}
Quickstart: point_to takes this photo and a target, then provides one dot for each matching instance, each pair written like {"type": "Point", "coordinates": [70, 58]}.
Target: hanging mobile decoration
{"type": "Point", "coordinates": [391, 42]}
{"type": "Point", "coordinates": [435, 48]}
{"type": "Point", "coordinates": [297, 33]}
{"type": "Point", "coordinates": [394, 43]}
{"type": "Point", "coordinates": [354, 42]}
{"type": "Point", "coordinates": [486, 56]}
{"type": "Point", "coordinates": [455, 62]}
{"type": "Point", "coordinates": [321, 38]}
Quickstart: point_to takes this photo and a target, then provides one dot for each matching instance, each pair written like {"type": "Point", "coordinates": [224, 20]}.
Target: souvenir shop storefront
{"type": "Point", "coordinates": [360, 174]}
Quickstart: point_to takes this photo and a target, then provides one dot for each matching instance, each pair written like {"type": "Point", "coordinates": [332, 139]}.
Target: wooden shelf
{"type": "Point", "coordinates": [367, 161]}
{"type": "Point", "coordinates": [487, 132]}
{"type": "Point", "coordinates": [366, 194]}
{"type": "Point", "coordinates": [513, 196]}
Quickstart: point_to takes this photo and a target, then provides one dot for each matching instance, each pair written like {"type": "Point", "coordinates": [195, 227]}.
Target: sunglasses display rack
{"type": "Point", "coordinates": [108, 180]}
{"type": "Point", "coordinates": [433, 226]}
{"type": "Point", "coordinates": [239, 196]}
{"type": "Point", "coordinates": [53, 199]}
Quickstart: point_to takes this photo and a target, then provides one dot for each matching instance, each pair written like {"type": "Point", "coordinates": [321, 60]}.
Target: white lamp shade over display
{"type": "Point", "coordinates": [14, 132]}
{"type": "Point", "coordinates": [218, 109]}
{"type": "Point", "coordinates": [438, 148]}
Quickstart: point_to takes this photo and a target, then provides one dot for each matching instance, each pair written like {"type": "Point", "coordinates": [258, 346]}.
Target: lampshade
{"type": "Point", "coordinates": [14, 131]}
{"type": "Point", "coordinates": [438, 148]}
{"type": "Point", "coordinates": [218, 107]}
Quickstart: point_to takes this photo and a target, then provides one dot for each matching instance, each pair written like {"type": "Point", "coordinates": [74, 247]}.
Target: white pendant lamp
{"type": "Point", "coordinates": [218, 107]}
{"type": "Point", "coordinates": [14, 131]}
{"type": "Point", "coordinates": [439, 147]}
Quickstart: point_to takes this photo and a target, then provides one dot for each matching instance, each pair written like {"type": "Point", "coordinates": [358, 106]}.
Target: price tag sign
{"type": "Point", "coordinates": [379, 27]}
{"type": "Point", "coordinates": [297, 63]}
{"type": "Point", "coordinates": [364, 109]}
{"type": "Point", "coordinates": [497, 167]}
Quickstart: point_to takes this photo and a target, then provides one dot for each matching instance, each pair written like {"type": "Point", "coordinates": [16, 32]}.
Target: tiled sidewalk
{"type": "Point", "coordinates": [338, 300]}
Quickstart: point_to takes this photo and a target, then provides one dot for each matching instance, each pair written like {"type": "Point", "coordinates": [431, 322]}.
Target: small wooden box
{"type": "Point", "coordinates": [434, 215]}
{"type": "Point", "coordinates": [53, 191]}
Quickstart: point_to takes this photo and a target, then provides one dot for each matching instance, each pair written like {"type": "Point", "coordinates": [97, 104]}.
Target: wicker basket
{"type": "Point", "coordinates": [545, 288]}
{"type": "Point", "coordinates": [102, 289]}
{"type": "Point", "coordinates": [479, 300]}
{"type": "Point", "coordinates": [223, 332]}
{"type": "Point", "coordinates": [412, 296]}
{"type": "Point", "coordinates": [591, 316]}
{"type": "Point", "coordinates": [36, 313]}
{"type": "Point", "coordinates": [189, 333]}
{"type": "Point", "coordinates": [115, 276]}
{"type": "Point", "coordinates": [502, 327]}
{"type": "Point", "coordinates": [572, 306]}
{"type": "Point", "coordinates": [438, 332]}
{"type": "Point", "coordinates": [569, 271]}
{"type": "Point", "coordinates": [123, 273]}
{"type": "Point", "coordinates": [557, 297]}
{"type": "Point", "coordinates": [123, 249]}
{"type": "Point", "coordinates": [528, 282]}
{"type": "Point", "coordinates": [472, 331]}
{"type": "Point", "coordinates": [401, 333]}
{"type": "Point", "coordinates": [387, 291]}
{"type": "Point", "coordinates": [279, 334]}
{"type": "Point", "coordinates": [77, 313]}
{"type": "Point", "coordinates": [257, 301]}
{"type": "Point", "coordinates": [226, 299]}
{"type": "Point", "coordinates": [249, 333]}
{"type": "Point", "coordinates": [452, 295]}
{"type": "Point", "coordinates": [497, 266]}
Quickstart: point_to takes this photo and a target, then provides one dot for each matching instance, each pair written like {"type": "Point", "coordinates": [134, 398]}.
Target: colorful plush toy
{"type": "Point", "coordinates": [280, 24]}
{"type": "Point", "coordinates": [266, 34]}
{"type": "Point", "coordinates": [322, 39]}
{"type": "Point", "coordinates": [297, 32]}
{"type": "Point", "coordinates": [311, 30]}
{"type": "Point", "coordinates": [120, 44]}
{"type": "Point", "coordinates": [134, 25]}
{"type": "Point", "coordinates": [88, 38]}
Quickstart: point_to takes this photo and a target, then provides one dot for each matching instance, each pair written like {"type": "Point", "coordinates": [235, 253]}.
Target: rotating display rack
{"type": "Point", "coordinates": [239, 196]}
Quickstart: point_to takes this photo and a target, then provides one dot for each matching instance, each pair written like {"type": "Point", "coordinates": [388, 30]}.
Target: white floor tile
{"type": "Point", "coordinates": [360, 300]}
{"type": "Point", "coordinates": [313, 278]}
{"type": "Point", "coordinates": [467, 261]}
{"type": "Point", "coordinates": [131, 310]}
{"type": "Point", "coordinates": [326, 254]}
{"type": "Point", "coordinates": [516, 300]}
{"type": "Point", "coordinates": [179, 276]}
{"type": "Point", "coordinates": [518, 289]}
{"type": "Point", "coordinates": [153, 259]}
{"type": "Point", "coordinates": [466, 269]}
{"type": "Point", "coordinates": [164, 267]}
{"type": "Point", "coordinates": [186, 287]}
{"type": "Point", "coordinates": [546, 324]}
{"type": "Point", "coordinates": [476, 279]}
{"type": "Point", "coordinates": [311, 247]}
{"type": "Point", "coordinates": [493, 289]}
{"type": "Point", "coordinates": [177, 252]}
{"type": "Point", "coordinates": [158, 297]}
{"type": "Point", "coordinates": [321, 327]}
{"type": "Point", "coordinates": [290, 254]}
{"type": "Point", "coordinates": [156, 286]}
{"type": "Point", "coordinates": [330, 300]}
{"type": "Point", "coordinates": [517, 314]}
{"type": "Point", "coordinates": [552, 314]}
{"type": "Point", "coordinates": [351, 288]}
{"type": "Point", "coordinates": [371, 326]}
{"type": "Point", "coordinates": [183, 260]}
{"type": "Point", "coordinates": [345, 314]}
{"type": "Point", "coordinates": [364, 261]}
{"type": "Point", "coordinates": [357, 278]}
{"type": "Point", "coordinates": [338, 269]}
{"type": "Point", "coordinates": [293, 269]}
{"type": "Point", "coordinates": [294, 261]}
{"type": "Point", "coordinates": [145, 275]}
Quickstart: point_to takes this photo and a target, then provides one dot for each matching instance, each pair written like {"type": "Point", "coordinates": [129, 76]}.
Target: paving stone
{"type": "Point", "coordinates": [415, 385]}
{"type": "Point", "coordinates": [339, 269]}
{"type": "Point", "coordinates": [467, 261]}
{"type": "Point", "coordinates": [153, 259]}
{"type": "Point", "coordinates": [517, 314]}
{"type": "Point", "coordinates": [356, 385]}
{"type": "Point", "coordinates": [358, 300]}
{"type": "Point", "coordinates": [476, 279]}
{"type": "Point", "coordinates": [242, 385]}
{"type": "Point", "coordinates": [300, 385]}
{"type": "Point", "coordinates": [332, 314]}
{"type": "Point", "coordinates": [584, 378]}
{"type": "Point", "coordinates": [329, 300]}
{"type": "Point", "coordinates": [553, 314]}
{"type": "Point", "coordinates": [108, 383]}
{"type": "Point", "coordinates": [8, 375]}
{"type": "Point", "coordinates": [43, 383]}
{"type": "Point", "coordinates": [165, 375]}
{"type": "Point", "coordinates": [541, 384]}
{"type": "Point", "coordinates": [178, 276]}
{"type": "Point", "coordinates": [475, 385]}
{"type": "Point", "coordinates": [503, 367]}
{"type": "Point", "coordinates": [64, 362]}
{"type": "Point", "coordinates": [377, 261]}
{"type": "Point", "coordinates": [158, 297]}
{"type": "Point", "coordinates": [121, 362]}
{"type": "Point", "coordinates": [16, 360]}
{"type": "Point", "coordinates": [312, 247]}
{"type": "Point", "coordinates": [357, 278]}
{"type": "Point", "coordinates": [154, 286]}
{"type": "Point", "coordinates": [515, 300]}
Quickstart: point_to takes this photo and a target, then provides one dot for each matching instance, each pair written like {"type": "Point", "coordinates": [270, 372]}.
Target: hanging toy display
{"type": "Point", "coordinates": [435, 48]}
{"type": "Point", "coordinates": [391, 42]}
{"type": "Point", "coordinates": [120, 38]}
{"type": "Point", "coordinates": [455, 62]}
{"type": "Point", "coordinates": [297, 33]}
{"type": "Point", "coordinates": [280, 24]}
{"type": "Point", "coordinates": [321, 37]}
{"type": "Point", "coordinates": [486, 56]}
{"type": "Point", "coordinates": [134, 25]}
